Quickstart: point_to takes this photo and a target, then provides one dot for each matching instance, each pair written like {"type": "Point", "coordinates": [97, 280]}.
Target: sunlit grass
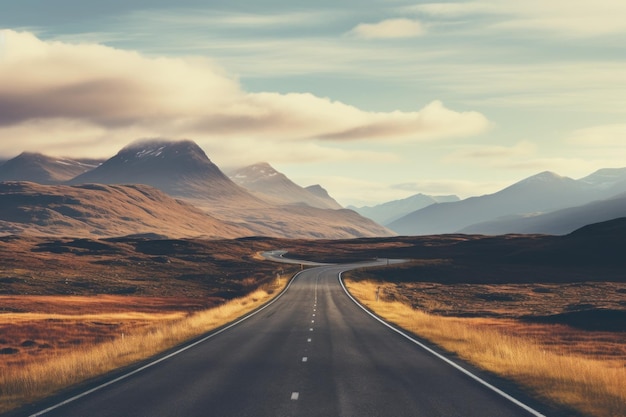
{"type": "Point", "coordinates": [586, 383]}
{"type": "Point", "coordinates": [33, 380]}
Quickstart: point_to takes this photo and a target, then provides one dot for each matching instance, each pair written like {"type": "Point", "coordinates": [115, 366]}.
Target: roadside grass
{"type": "Point", "coordinates": [593, 385]}
{"type": "Point", "coordinates": [27, 381]}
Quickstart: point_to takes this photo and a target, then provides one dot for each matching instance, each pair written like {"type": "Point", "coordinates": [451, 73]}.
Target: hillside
{"type": "Point", "coordinates": [102, 211]}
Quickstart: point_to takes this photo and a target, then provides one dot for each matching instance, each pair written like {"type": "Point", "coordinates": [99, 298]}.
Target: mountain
{"type": "Point", "coordinates": [43, 169]}
{"type": "Point", "coordinates": [265, 182]}
{"type": "Point", "coordinates": [96, 210]}
{"type": "Point", "coordinates": [388, 212]}
{"type": "Point", "coordinates": [322, 193]}
{"type": "Point", "coordinates": [540, 193]}
{"type": "Point", "coordinates": [557, 222]}
{"type": "Point", "coordinates": [183, 170]}
{"type": "Point", "coordinates": [611, 180]}
{"type": "Point", "coordinates": [179, 168]}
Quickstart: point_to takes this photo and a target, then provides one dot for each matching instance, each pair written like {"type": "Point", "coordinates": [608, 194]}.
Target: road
{"type": "Point", "coordinates": [313, 352]}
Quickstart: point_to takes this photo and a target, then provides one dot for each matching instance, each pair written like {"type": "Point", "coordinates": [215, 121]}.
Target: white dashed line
{"type": "Point", "coordinates": [309, 340]}
{"type": "Point", "coordinates": [305, 359]}
{"type": "Point", "coordinates": [311, 329]}
{"type": "Point", "coordinates": [295, 396]}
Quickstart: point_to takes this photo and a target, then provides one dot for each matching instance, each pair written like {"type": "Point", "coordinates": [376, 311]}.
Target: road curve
{"type": "Point", "coordinates": [313, 352]}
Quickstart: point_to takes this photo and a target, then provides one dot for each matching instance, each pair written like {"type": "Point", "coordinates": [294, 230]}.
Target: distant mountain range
{"type": "Point", "coordinates": [264, 181]}
{"type": "Point", "coordinates": [182, 170]}
{"type": "Point", "coordinates": [388, 212]}
{"type": "Point", "coordinates": [43, 169]}
{"type": "Point", "coordinates": [543, 203]}
{"type": "Point", "coordinates": [258, 200]}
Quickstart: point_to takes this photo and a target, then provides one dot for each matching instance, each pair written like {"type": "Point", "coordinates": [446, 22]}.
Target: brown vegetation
{"type": "Point", "coordinates": [521, 332]}
{"type": "Point", "coordinates": [82, 346]}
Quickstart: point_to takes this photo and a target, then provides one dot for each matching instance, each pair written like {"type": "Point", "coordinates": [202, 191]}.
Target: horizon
{"type": "Point", "coordinates": [375, 103]}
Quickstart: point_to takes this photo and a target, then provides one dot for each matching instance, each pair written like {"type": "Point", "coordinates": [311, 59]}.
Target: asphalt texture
{"type": "Point", "coordinates": [313, 352]}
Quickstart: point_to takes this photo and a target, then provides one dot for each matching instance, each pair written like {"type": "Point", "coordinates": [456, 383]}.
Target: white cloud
{"type": "Point", "coordinates": [576, 18]}
{"type": "Point", "coordinates": [493, 154]}
{"type": "Point", "coordinates": [612, 135]}
{"type": "Point", "coordinates": [388, 29]}
{"type": "Point", "coordinates": [102, 92]}
{"type": "Point", "coordinates": [461, 188]}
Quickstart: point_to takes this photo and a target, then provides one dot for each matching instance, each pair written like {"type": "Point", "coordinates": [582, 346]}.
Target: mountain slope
{"type": "Point", "coordinates": [265, 182]}
{"type": "Point", "coordinates": [103, 210]}
{"type": "Point", "coordinates": [543, 192]}
{"type": "Point", "coordinates": [183, 170]}
{"type": "Point", "coordinates": [388, 212]}
{"type": "Point", "coordinates": [558, 222]}
{"type": "Point", "coordinates": [179, 168]}
{"type": "Point", "coordinates": [320, 192]}
{"type": "Point", "coordinates": [43, 169]}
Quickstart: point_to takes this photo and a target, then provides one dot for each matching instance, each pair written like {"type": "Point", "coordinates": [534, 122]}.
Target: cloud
{"type": "Point", "coordinates": [498, 154]}
{"type": "Point", "coordinates": [99, 91]}
{"type": "Point", "coordinates": [389, 29]}
{"type": "Point", "coordinates": [462, 188]}
{"type": "Point", "coordinates": [612, 135]}
{"type": "Point", "coordinates": [577, 18]}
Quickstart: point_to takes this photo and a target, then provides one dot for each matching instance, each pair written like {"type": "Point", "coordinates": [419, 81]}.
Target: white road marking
{"type": "Point", "coordinates": [443, 358]}
{"type": "Point", "coordinates": [305, 359]}
{"type": "Point", "coordinates": [309, 340]}
{"type": "Point", "coordinates": [311, 329]}
{"type": "Point", "coordinates": [166, 357]}
{"type": "Point", "coordinates": [295, 396]}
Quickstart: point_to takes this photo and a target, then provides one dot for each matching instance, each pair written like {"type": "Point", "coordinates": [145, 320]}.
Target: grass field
{"type": "Point", "coordinates": [64, 341]}
{"type": "Point", "coordinates": [570, 367]}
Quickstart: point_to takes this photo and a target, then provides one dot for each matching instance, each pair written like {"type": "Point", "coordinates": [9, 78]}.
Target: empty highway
{"type": "Point", "coordinates": [312, 352]}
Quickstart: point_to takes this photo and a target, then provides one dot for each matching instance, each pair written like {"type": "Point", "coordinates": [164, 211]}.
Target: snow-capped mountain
{"type": "Point", "coordinates": [265, 182]}
{"type": "Point", "coordinates": [180, 168]}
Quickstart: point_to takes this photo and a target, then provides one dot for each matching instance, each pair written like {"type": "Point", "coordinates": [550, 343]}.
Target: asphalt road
{"type": "Point", "coordinates": [313, 352]}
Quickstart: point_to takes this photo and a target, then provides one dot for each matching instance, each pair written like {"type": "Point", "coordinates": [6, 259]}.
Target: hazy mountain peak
{"type": "Point", "coordinates": [606, 177]}
{"type": "Point", "coordinates": [317, 190]}
{"type": "Point", "coordinates": [179, 168]}
{"type": "Point", "coordinates": [545, 176]}
{"type": "Point", "coordinates": [42, 169]}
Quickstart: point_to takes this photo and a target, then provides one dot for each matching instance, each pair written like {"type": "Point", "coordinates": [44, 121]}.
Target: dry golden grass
{"type": "Point", "coordinates": [585, 382]}
{"type": "Point", "coordinates": [28, 380]}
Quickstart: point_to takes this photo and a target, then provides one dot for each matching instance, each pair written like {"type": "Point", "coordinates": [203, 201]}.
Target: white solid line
{"type": "Point", "coordinates": [443, 358]}
{"type": "Point", "coordinates": [295, 395]}
{"type": "Point", "coordinates": [179, 351]}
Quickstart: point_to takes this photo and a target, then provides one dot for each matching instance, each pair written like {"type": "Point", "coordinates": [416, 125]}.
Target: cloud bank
{"type": "Point", "coordinates": [60, 97]}
{"type": "Point", "coordinates": [390, 28]}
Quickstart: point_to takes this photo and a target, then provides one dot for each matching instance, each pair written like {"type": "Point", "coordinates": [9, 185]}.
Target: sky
{"type": "Point", "coordinates": [374, 100]}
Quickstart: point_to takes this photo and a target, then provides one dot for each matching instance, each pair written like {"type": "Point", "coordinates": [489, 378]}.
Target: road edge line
{"type": "Point", "coordinates": [168, 356]}
{"type": "Point", "coordinates": [442, 357]}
